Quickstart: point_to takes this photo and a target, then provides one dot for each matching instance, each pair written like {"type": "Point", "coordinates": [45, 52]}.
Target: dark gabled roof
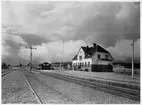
{"type": "Point", "coordinates": [101, 49]}
{"type": "Point", "coordinates": [45, 63]}
{"type": "Point", "coordinates": [75, 58]}
{"type": "Point", "coordinates": [98, 48]}
{"type": "Point", "coordinates": [89, 51]}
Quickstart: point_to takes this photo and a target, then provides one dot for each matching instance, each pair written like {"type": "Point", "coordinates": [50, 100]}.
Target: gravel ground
{"type": "Point", "coordinates": [16, 90]}
{"type": "Point", "coordinates": [47, 94]}
{"type": "Point", "coordinates": [53, 91]}
{"type": "Point", "coordinates": [5, 71]}
{"type": "Point", "coordinates": [100, 75]}
{"type": "Point", "coordinates": [84, 94]}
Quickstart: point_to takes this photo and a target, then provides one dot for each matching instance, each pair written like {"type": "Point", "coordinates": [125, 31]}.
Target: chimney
{"type": "Point", "coordinates": [87, 48]}
{"type": "Point", "coordinates": [94, 45]}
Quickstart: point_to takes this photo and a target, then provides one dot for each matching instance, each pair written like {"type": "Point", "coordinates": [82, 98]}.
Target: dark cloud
{"type": "Point", "coordinates": [107, 28]}
{"type": "Point", "coordinates": [41, 22]}
{"type": "Point", "coordinates": [14, 47]}
{"type": "Point", "coordinates": [15, 60]}
{"type": "Point", "coordinates": [33, 39]}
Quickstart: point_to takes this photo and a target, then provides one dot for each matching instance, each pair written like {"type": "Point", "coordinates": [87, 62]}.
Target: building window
{"type": "Point", "coordinates": [80, 57]}
{"type": "Point", "coordinates": [88, 64]}
{"type": "Point", "coordinates": [82, 64]}
{"type": "Point", "coordinates": [106, 56]}
{"type": "Point", "coordinates": [85, 64]}
{"type": "Point", "coordinates": [99, 56]}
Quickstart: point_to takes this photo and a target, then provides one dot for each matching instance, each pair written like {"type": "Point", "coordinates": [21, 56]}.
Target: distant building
{"type": "Point", "coordinates": [46, 66]}
{"type": "Point", "coordinates": [94, 58]}
{"type": "Point", "coordinates": [62, 65]}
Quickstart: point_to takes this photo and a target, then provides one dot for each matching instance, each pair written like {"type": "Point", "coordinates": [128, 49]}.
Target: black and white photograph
{"type": "Point", "coordinates": [70, 52]}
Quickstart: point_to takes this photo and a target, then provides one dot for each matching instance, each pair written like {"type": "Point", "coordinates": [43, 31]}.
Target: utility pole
{"type": "Point", "coordinates": [61, 60]}
{"type": "Point", "coordinates": [30, 56]}
{"type": "Point", "coordinates": [63, 54]}
{"type": "Point", "coordinates": [133, 59]}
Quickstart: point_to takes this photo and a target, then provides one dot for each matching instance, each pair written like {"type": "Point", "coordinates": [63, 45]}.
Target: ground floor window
{"type": "Point", "coordinates": [82, 64]}
{"type": "Point", "coordinates": [85, 64]}
{"type": "Point", "coordinates": [99, 56]}
{"type": "Point", "coordinates": [88, 64]}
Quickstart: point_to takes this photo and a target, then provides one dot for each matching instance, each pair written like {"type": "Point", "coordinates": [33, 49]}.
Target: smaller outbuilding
{"type": "Point", "coordinates": [46, 66]}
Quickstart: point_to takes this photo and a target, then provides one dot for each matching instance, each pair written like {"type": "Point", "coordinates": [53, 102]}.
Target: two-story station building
{"type": "Point", "coordinates": [94, 58]}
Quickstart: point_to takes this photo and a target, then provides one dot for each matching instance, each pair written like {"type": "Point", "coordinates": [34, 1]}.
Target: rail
{"type": "Point", "coordinates": [41, 82]}
{"type": "Point", "coordinates": [124, 92]}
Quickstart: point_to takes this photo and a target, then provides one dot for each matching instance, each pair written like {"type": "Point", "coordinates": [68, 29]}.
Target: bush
{"type": "Point", "coordinates": [86, 70]}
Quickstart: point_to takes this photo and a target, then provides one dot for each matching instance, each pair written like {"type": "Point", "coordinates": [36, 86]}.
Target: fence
{"type": "Point", "coordinates": [123, 70]}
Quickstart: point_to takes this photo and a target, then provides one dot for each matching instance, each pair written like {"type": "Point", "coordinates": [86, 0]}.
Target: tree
{"type": "Point", "coordinates": [8, 65]}
{"type": "Point", "coordinates": [20, 65]}
{"type": "Point", "coordinates": [4, 66]}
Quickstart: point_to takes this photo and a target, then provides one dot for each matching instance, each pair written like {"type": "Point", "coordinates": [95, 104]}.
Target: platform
{"type": "Point", "coordinates": [100, 75]}
{"type": "Point", "coordinates": [121, 84]}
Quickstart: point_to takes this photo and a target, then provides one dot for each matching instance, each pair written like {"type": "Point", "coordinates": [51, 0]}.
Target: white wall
{"type": "Point", "coordinates": [82, 61]}
{"type": "Point", "coordinates": [81, 53]}
{"type": "Point", "coordinates": [102, 62]}
{"type": "Point", "coordinates": [95, 59]}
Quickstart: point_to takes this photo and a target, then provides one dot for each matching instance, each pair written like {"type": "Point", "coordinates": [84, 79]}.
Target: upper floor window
{"type": "Point", "coordinates": [80, 51]}
{"type": "Point", "coordinates": [99, 56]}
{"type": "Point", "coordinates": [106, 56]}
{"type": "Point", "coordinates": [80, 57]}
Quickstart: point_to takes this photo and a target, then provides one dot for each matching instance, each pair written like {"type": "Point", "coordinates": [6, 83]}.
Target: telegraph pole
{"type": "Point", "coordinates": [63, 54]}
{"type": "Point", "coordinates": [61, 60]}
{"type": "Point", "coordinates": [133, 59]}
{"type": "Point", "coordinates": [30, 56]}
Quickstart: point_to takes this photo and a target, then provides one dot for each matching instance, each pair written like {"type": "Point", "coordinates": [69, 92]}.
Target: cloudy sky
{"type": "Point", "coordinates": [47, 25]}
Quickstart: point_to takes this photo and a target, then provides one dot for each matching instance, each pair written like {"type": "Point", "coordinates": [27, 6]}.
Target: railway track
{"type": "Point", "coordinates": [124, 92]}
{"type": "Point", "coordinates": [42, 90]}
{"type": "Point", "coordinates": [6, 72]}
